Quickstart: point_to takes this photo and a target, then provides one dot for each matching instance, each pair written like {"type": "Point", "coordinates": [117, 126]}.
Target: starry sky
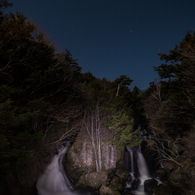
{"type": "Point", "coordinates": [113, 37]}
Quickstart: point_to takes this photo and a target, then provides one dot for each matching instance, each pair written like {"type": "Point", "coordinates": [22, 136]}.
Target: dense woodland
{"type": "Point", "coordinates": [45, 100]}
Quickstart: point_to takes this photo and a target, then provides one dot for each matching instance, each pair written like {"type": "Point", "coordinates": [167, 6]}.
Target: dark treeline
{"type": "Point", "coordinates": [169, 105]}
{"type": "Point", "coordinates": [45, 100]}
{"type": "Point", "coordinates": [170, 101]}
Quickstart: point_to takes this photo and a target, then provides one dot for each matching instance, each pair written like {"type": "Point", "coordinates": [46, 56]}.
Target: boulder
{"type": "Point", "coordinates": [122, 173]}
{"type": "Point", "coordinates": [128, 193]}
{"type": "Point", "coordinates": [104, 190]}
{"type": "Point", "coordinates": [93, 180]}
{"type": "Point", "coordinates": [80, 157]}
{"type": "Point", "coordinates": [117, 184]}
{"type": "Point", "coordinates": [132, 182]}
{"type": "Point", "coordinates": [150, 184]}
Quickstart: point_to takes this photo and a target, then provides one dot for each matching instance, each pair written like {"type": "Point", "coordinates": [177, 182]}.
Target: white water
{"type": "Point", "coordinates": [54, 180]}
{"type": "Point", "coordinates": [132, 161]}
{"type": "Point", "coordinates": [142, 169]}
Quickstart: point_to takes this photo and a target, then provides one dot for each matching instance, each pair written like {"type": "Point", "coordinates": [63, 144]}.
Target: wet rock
{"type": "Point", "coordinates": [150, 184]}
{"type": "Point", "coordinates": [128, 193]}
{"type": "Point", "coordinates": [93, 179]}
{"type": "Point", "coordinates": [122, 173]}
{"type": "Point", "coordinates": [117, 184]}
{"type": "Point", "coordinates": [132, 182]}
{"type": "Point", "coordinates": [104, 190]}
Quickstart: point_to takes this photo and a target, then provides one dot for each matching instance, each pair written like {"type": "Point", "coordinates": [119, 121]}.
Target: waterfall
{"type": "Point", "coordinates": [137, 157]}
{"type": "Point", "coordinates": [132, 160]}
{"type": "Point", "coordinates": [54, 180]}
{"type": "Point", "coordinates": [142, 167]}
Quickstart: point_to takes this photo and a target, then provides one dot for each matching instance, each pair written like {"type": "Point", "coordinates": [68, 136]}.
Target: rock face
{"type": "Point", "coordinates": [150, 184]}
{"type": "Point", "coordinates": [80, 157]}
{"type": "Point", "coordinates": [93, 179]}
{"type": "Point", "coordinates": [122, 173]}
{"type": "Point", "coordinates": [104, 190]}
{"type": "Point", "coordinates": [119, 179]}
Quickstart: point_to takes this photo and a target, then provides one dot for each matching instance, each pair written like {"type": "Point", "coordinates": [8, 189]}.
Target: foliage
{"type": "Point", "coordinates": [121, 122]}
{"type": "Point", "coordinates": [38, 88]}
{"type": "Point", "coordinates": [170, 103]}
{"type": "Point", "coordinates": [108, 114]}
{"type": "Point", "coordinates": [45, 99]}
{"type": "Point", "coordinates": [4, 4]}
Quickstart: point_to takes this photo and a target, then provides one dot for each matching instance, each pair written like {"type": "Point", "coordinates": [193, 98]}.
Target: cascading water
{"type": "Point", "coordinates": [131, 180]}
{"type": "Point", "coordinates": [143, 174]}
{"type": "Point", "coordinates": [54, 180]}
{"type": "Point", "coordinates": [142, 167]}
{"type": "Point", "coordinates": [132, 160]}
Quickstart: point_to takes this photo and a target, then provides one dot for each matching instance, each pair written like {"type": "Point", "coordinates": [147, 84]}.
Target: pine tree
{"type": "Point", "coordinates": [40, 95]}
{"type": "Point", "coordinates": [121, 123]}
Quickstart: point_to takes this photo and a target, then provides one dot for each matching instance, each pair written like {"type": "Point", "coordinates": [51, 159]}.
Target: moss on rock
{"type": "Point", "coordinates": [122, 173]}
{"type": "Point", "coordinates": [93, 179]}
{"type": "Point", "coordinates": [105, 190]}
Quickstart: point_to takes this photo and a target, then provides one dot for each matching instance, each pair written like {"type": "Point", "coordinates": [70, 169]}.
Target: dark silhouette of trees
{"type": "Point", "coordinates": [170, 103]}
{"type": "Point", "coordinates": [40, 97]}
{"type": "Point", "coordinates": [4, 4]}
{"type": "Point", "coordinates": [45, 99]}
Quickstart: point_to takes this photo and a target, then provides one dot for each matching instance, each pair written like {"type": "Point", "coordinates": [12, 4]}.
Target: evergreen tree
{"type": "Point", "coordinates": [121, 124]}
{"type": "Point", "coordinates": [40, 95]}
{"type": "Point", "coordinates": [174, 113]}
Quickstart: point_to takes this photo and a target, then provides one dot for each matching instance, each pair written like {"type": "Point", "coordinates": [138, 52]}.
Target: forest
{"type": "Point", "coordinates": [46, 100]}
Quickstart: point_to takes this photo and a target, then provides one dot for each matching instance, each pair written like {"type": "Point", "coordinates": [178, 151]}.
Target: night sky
{"type": "Point", "coordinates": [113, 37]}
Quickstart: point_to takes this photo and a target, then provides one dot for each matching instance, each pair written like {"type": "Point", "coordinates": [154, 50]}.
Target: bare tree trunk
{"type": "Point", "coordinates": [93, 145]}
{"type": "Point", "coordinates": [89, 128]}
{"type": "Point", "coordinates": [118, 90]}
{"type": "Point", "coordinates": [165, 152]}
{"type": "Point", "coordinates": [92, 124]}
{"type": "Point", "coordinates": [98, 136]}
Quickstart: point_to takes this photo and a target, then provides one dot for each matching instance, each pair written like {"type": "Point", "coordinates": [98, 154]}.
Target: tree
{"type": "Point", "coordinates": [107, 116]}
{"type": "Point", "coordinates": [169, 104]}
{"type": "Point", "coordinates": [176, 111]}
{"type": "Point", "coordinates": [92, 125]}
{"type": "Point", "coordinates": [4, 4]}
{"type": "Point", "coordinates": [98, 92]}
{"type": "Point", "coordinates": [121, 85]}
{"type": "Point", "coordinates": [121, 123]}
{"type": "Point", "coordinates": [40, 97]}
